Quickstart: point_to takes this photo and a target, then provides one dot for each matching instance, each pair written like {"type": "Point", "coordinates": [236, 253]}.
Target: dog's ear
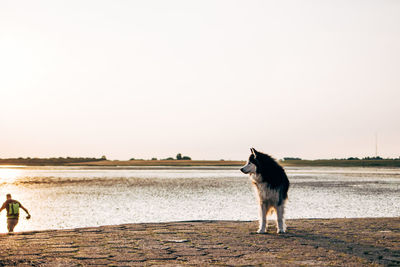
{"type": "Point", "coordinates": [253, 151]}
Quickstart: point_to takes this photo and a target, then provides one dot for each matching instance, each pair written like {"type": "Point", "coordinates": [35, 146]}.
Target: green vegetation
{"type": "Point", "coordinates": [290, 158]}
{"type": "Point", "coordinates": [349, 162]}
{"type": "Point", "coordinates": [180, 157]}
{"type": "Point", "coordinates": [163, 162]}
{"type": "Point", "coordinates": [187, 161]}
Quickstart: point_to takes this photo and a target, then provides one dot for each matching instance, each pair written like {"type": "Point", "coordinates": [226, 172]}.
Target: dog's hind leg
{"type": "Point", "coordinates": [263, 218]}
{"type": "Point", "coordinates": [280, 221]}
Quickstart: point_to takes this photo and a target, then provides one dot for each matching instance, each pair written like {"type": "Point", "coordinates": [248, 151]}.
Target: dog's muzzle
{"type": "Point", "coordinates": [242, 170]}
{"type": "Point", "coordinates": [249, 167]}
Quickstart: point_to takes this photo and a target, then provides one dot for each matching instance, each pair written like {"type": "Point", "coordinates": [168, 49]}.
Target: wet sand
{"type": "Point", "coordinates": [349, 242]}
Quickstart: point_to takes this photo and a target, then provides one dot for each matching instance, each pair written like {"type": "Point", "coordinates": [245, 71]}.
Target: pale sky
{"type": "Point", "coordinates": [209, 79]}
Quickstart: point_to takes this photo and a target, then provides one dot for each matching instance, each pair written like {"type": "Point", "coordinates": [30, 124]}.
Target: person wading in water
{"type": "Point", "coordinates": [12, 206]}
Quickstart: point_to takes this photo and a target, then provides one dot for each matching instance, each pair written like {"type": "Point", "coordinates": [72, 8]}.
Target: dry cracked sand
{"type": "Point", "coordinates": [320, 242]}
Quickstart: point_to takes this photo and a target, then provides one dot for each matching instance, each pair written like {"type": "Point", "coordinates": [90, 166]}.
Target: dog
{"type": "Point", "coordinates": [271, 186]}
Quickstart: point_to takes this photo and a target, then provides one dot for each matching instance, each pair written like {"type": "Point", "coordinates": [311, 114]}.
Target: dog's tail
{"type": "Point", "coordinates": [270, 212]}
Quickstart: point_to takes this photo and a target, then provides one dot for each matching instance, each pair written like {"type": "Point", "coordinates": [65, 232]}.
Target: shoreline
{"type": "Point", "coordinates": [188, 166]}
{"type": "Point", "coordinates": [384, 163]}
{"type": "Point", "coordinates": [356, 241]}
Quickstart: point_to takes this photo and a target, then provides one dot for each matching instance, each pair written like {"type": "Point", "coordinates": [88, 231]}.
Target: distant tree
{"type": "Point", "coordinates": [170, 158]}
{"type": "Point", "coordinates": [353, 158]}
{"type": "Point", "coordinates": [103, 157]}
{"type": "Point", "coordinates": [180, 157]}
{"type": "Point", "coordinates": [153, 158]}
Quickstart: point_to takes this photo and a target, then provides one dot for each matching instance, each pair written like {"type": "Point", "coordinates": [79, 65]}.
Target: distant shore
{"type": "Point", "coordinates": [389, 163]}
{"type": "Point", "coordinates": [290, 163]}
{"type": "Point", "coordinates": [321, 242]}
{"type": "Point", "coordinates": [144, 163]}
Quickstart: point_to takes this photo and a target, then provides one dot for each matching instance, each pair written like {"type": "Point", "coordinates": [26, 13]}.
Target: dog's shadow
{"type": "Point", "coordinates": [372, 253]}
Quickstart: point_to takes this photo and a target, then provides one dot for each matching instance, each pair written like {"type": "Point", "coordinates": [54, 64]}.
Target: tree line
{"type": "Point", "coordinates": [178, 157]}
{"type": "Point", "coordinates": [48, 161]}
{"type": "Point", "coordinates": [350, 158]}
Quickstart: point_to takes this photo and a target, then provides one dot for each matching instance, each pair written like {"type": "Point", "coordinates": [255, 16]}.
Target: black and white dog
{"type": "Point", "coordinates": [271, 185]}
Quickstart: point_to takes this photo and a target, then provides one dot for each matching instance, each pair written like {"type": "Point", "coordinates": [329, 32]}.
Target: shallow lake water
{"type": "Point", "coordinates": [69, 197]}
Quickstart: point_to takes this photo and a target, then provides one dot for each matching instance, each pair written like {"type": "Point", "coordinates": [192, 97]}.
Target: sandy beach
{"type": "Point", "coordinates": [350, 242]}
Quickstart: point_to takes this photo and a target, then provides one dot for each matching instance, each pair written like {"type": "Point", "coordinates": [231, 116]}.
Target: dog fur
{"type": "Point", "coordinates": [271, 186]}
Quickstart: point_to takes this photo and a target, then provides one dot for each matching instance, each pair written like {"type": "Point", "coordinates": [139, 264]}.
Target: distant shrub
{"type": "Point", "coordinates": [291, 158]}
{"type": "Point", "coordinates": [353, 158]}
{"type": "Point", "coordinates": [180, 157]}
{"type": "Point", "coordinates": [153, 158]}
{"type": "Point", "coordinates": [373, 158]}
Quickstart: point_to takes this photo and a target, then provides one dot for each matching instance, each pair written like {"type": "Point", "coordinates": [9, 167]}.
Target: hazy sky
{"type": "Point", "coordinates": [209, 79]}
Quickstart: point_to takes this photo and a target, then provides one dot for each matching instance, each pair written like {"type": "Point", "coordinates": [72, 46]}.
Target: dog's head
{"type": "Point", "coordinates": [252, 163]}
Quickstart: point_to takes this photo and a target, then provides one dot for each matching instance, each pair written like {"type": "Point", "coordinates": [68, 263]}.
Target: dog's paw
{"type": "Point", "coordinates": [280, 231]}
{"type": "Point", "coordinates": [260, 231]}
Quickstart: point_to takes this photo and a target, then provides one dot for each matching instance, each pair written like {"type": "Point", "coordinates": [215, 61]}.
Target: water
{"type": "Point", "coordinates": [69, 197]}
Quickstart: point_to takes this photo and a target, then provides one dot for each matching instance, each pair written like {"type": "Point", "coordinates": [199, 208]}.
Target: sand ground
{"type": "Point", "coordinates": [337, 242]}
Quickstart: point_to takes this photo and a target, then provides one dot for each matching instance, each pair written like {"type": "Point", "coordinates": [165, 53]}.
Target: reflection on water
{"type": "Point", "coordinates": [68, 197]}
{"type": "Point", "coordinates": [8, 175]}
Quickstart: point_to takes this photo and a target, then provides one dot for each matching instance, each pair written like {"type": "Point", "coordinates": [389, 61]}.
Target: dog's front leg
{"type": "Point", "coordinates": [263, 218]}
